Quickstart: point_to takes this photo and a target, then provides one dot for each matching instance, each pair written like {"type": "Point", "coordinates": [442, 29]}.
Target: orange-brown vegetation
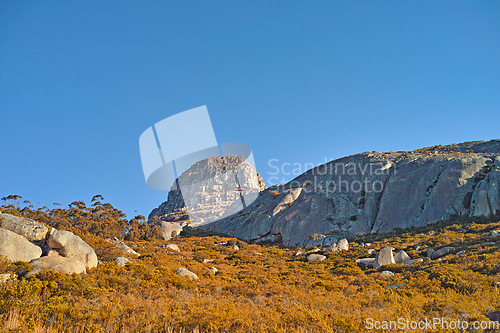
{"type": "Point", "coordinates": [251, 292]}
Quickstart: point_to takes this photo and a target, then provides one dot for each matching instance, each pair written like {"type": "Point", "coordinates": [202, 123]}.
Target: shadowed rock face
{"type": "Point", "coordinates": [208, 189]}
{"type": "Point", "coordinates": [373, 192]}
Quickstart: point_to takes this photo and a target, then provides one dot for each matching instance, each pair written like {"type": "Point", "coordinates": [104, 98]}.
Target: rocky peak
{"type": "Point", "coordinates": [204, 192]}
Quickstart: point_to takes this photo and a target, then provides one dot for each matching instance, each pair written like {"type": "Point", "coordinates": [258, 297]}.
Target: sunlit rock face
{"type": "Point", "coordinates": [204, 192]}
{"type": "Point", "coordinates": [373, 192]}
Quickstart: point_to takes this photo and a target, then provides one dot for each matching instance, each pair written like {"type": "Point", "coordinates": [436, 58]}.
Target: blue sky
{"type": "Point", "coordinates": [297, 81]}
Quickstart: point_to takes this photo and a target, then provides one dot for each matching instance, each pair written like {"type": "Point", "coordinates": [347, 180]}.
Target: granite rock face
{"type": "Point", "coordinates": [212, 188]}
{"type": "Point", "coordinates": [373, 192]}
{"type": "Point", "coordinates": [360, 194]}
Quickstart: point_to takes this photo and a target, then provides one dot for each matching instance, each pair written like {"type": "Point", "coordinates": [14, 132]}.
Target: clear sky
{"type": "Point", "coordinates": [298, 81]}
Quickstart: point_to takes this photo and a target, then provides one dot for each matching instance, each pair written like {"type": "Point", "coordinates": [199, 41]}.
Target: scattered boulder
{"type": "Point", "coordinates": [401, 257]}
{"type": "Point", "coordinates": [460, 252]}
{"type": "Point", "coordinates": [205, 261]}
{"type": "Point", "coordinates": [6, 277]}
{"type": "Point", "coordinates": [214, 270]}
{"type": "Point", "coordinates": [343, 244]}
{"type": "Point", "coordinates": [315, 257]}
{"type": "Point", "coordinates": [255, 252]}
{"type": "Point", "coordinates": [386, 274]}
{"type": "Point", "coordinates": [71, 246]}
{"type": "Point", "coordinates": [57, 263]}
{"type": "Point", "coordinates": [384, 257]}
{"type": "Point", "coordinates": [494, 316]}
{"type": "Point", "coordinates": [395, 286]}
{"type": "Point", "coordinates": [370, 251]}
{"type": "Point", "coordinates": [173, 247]}
{"type": "Point", "coordinates": [442, 252]}
{"type": "Point", "coordinates": [430, 253]}
{"type": "Point", "coordinates": [17, 248]}
{"type": "Point", "coordinates": [181, 271]}
{"type": "Point", "coordinates": [236, 247]}
{"type": "Point", "coordinates": [332, 248]}
{"type": "Point", "coordinates": [365, 261]}
{"type": "Point", "coordinates": [28, 228]}
{"type": "Point", "coordinates": [464, 315]}
{"type": "Point", "coordinates": [495, 233]}
{"type": "Point", "coordinates": [312, 251]}
{"type": "Point", "coordinates": [124, 248]}
{"type": "Point", "coordinates": [298, 253]}
{"type": "Point", "coordinates": [412, 261]}
{"type": "Point", "coordinates": [170, 229]}
{"type": "Point", "coordinates": [121, 261]}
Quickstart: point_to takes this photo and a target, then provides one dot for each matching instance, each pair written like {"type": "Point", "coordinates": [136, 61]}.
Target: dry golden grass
{"type": "Point", "coordinates": [258, 293]}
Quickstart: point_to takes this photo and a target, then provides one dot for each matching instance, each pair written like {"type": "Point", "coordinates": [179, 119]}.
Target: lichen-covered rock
{"type": "Point", "coordinates": [72, 246]}
{"type": "Point", "coordinates": [28, 228]}
{"type": "Point", "coordinates": [57, 263]}
{"type": "Point", "coordinates": [14, 247]}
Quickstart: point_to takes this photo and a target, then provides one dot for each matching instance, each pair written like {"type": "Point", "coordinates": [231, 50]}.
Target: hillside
{"type": "Point", "coordinates": [249, 287]}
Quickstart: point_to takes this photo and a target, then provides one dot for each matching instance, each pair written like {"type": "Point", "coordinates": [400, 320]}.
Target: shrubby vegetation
{"type": "Point", "coordinates": [257, 289]}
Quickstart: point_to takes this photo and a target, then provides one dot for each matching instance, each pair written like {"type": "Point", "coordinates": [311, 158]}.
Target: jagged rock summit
{"type": "Point", "coordinates": [206, 191]}
{"type": "Point", "coordinates": [371, 192]}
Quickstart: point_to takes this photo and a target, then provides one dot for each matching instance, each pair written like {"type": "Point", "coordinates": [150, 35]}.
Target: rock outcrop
{"type": "Point", "coordinates": [72, 246]}
{"type": "Point", "coordinates": [14, 247]}
{"type": "Point", "coordinates": [28, 228]}
{"type": "Point", "coordinates": [57, 263]}
{"type": "Point", "coordinates": [212, 188]}
{"type": "Point", "coordinates": [373, 192]}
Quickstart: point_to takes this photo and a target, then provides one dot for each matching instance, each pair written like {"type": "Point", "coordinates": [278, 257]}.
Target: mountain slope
{"type": "Point", "coordinates": [373, 192]}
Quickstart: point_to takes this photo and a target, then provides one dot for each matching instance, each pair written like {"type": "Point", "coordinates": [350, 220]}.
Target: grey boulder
{"type": "Point", "coordinates": [384, 257]}
{"type": "Point", "coordinates": [442, 252]}
{"type": "Point", "coordinates": [401, 257]}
